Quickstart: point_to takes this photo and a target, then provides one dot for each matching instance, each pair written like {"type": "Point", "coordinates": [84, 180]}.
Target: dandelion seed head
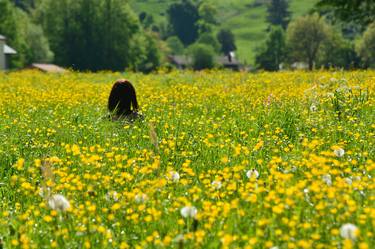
{"type": "Point", "coordinates": [58, 202]}
{"type": "Point", "coordinates": [217, 184]}
{"type": "Point", "coordinates": [189, 212]}
{"type": "Point", "coordinates": [253, 173]}
{"type": "Point", "coordinates": [349, 231]}
{"type": "Point", "coordinates": [340, 152]}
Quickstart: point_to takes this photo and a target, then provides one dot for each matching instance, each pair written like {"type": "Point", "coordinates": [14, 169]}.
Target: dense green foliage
{"type": "Point", "coordinates": [183, 17]}
{"type": "Point", "coordinates": [175, 45]}
{"type": "Point", "coordinates": [227, 41]}
{"type": "Point", "coordinates": [91, 35]}
{"type": "Point", "coordinates": [278, 13]}
{"type": "Point", "coordinates": [305, 37]}
{"type": "Point", "coordinates": [25, 36]}
{"type": "Point", "coordinates": [203, 56]}
{"type": "Point", "coordinates": [273, 53]}
{"type": "Point", "coordinates": [358, 11]}
{"type": "Point", "coordinates": [366, 46]}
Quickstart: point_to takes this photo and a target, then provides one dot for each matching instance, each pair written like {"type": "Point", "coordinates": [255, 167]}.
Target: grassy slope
{"type": "Point", "coordinates": [247, 23]}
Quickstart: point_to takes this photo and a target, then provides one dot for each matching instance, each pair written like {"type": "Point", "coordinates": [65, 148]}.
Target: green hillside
{"type": "Point", "coordinates": [246, 19]}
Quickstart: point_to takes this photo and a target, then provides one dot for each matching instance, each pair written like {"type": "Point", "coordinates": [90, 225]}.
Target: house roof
{"type": "Point", "coordinates": [48, 68]}
{"type": "Point", "coordinates": [9, 50]}
{"type": "Point", "coordinates": [180, 59]}
{"type": "Point", "coordinates": [224, 60]}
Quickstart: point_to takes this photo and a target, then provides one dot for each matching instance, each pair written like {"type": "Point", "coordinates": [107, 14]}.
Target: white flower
{"type": "Point", "coordinates": [348, 181]}
{"type": "Point", "coordinates": [339, 152]}
{"type": "Point", "coordinates": [327, 179]}
{"type": "Point", "coordinates": [349, 231]}
{"type": "Point", "coordinates": [216, 184]}
{"type": "Point", "coordinates": [189, 211]}
{"type": "Point", "coordinates": [313, 108]}
{"type": "Point", "coordinates": [252, 173]}
{"type": "Point", "coordinates": [58, 202]}
{"type": "Point", "coordinates": [179, 238]}
{"type": "Point", "coordinates": [112, 195]}
{"type": "Point", "coordinates": [141, 198]}
{"type": "Point", "coordinates": [175, 176]}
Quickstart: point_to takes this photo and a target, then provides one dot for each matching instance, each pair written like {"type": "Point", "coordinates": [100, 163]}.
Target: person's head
{"type": "Point", "coordinates": [122, 98]}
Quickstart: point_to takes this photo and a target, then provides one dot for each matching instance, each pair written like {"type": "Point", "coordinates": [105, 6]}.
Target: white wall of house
{"type": "Point", "coordinates": [2, 54]}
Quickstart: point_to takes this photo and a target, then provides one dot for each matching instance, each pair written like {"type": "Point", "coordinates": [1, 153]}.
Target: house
{"type": "Point", "coordinates": [180, 61]}
{"type": "Point", "coordinates": [47, 68]}
{"type": "Point", "coordinates": [226, 61]}
{"type": "Point", "coordinates": [5, 52]}
{"type": "Point", "coordinates": [229, 61]}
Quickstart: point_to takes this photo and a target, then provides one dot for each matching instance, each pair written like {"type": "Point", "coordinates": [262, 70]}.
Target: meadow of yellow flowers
{"type": "Point", "coordinates": [221, 160]}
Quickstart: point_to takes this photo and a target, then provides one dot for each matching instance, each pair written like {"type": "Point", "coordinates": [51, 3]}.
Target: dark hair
{"type": "Point", "coordinates": [122, 98]}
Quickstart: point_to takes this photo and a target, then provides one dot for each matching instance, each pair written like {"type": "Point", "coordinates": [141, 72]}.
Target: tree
{"type": "Point", "coordinates": [91, 34]}
{"type": "Point", "coordinates": [25, 5]}
{"type": "Point", "coordinates": [358, 11]}
{"type": "Point", "coordinates": [207, 18]}
{"type": "Point", "coordinates": [175, 45]}
{"type": "Point", "coordinates": [305, 37]}
{"type": "Point", "coordinates": [209, 39]}
{"type": "Point", "coordinates": [337, 52]}
{"type": "Point", "coordinates": [203, 56]}
{"type": "Point", "coordinates": [278, 13]}
{"type": "Point", "coordinates": [366, 46]}
{"type": "Point", "coordinates": [226, 39]}
{"type": "Point", "coordinates": [147, 20]}
{"type": "Point", "coordinates": [146, 54]}
{"type": "Point", "coordinates": [183, 17]}
{"type": "Point", "coordinates": [274, 51]}
{"type": "Point", "coordinates": [38, 45]}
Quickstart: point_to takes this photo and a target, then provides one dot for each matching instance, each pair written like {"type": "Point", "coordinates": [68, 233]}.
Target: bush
{"type": "Point", "coordinates": [273, 53]}
{"type": "Point", "coordinates": [175, 45]}
{"type": "Point", "coordinates": [209, 39]}
{"type": "Point", "coordinates": [366, 46]}
{"type": "Point", "coordinates": [203, 56]}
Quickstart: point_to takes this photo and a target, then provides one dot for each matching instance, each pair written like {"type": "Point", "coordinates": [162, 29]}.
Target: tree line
{"type": "Point", "coordinates": [340, 34]}
{"type": "Point", "coordinates": [108, 35]}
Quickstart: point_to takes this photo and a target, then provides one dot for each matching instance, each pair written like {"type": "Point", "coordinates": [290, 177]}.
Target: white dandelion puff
{"type": "Point", "coordinates": [348, 181]}
{"type": "Point", "coordinates": [174, 176]}
{"type": "Point", "coordinates": [58, 202]}
{"type": "Point", "coordinates": [340, 152]}
{"type": "Point", "coordinates": [252, 173]}
{"type": "Point", "coordinates": [217, 184]}
{"type": "Point", "coordinates": [112, 195]}
{"type": "Point", "coordinates": [189, 211]}
{"type": "Point", "coordinates": [141, 198]}
{"type": "Point", "coordinates": [313, 108]}
{"type": "Point", "coordinates": [349, 231]}
{"type": "Point", "coordinates": [327, 179]}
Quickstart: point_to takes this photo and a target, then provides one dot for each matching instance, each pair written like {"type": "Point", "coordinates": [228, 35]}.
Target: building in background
{"type": "Point", "coordinates": [47, 68]}
{"type": "Point", "coordinates": [5, 52]}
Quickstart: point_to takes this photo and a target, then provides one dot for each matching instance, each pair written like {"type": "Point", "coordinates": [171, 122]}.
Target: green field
{"type": "Point", "coordinates": [221, 160]}
{"type": "Point", "coordinates": [248, 23]}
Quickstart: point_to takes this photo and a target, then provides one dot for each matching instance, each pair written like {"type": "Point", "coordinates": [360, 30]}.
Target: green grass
{"type": "Point", "coordinates": [247, 23]}
{"type": "Point", "coordinates": [253, 157]}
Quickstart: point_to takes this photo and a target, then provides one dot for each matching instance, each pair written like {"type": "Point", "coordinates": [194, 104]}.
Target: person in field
{"type": "Point", "coordinates": [122, 102]}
